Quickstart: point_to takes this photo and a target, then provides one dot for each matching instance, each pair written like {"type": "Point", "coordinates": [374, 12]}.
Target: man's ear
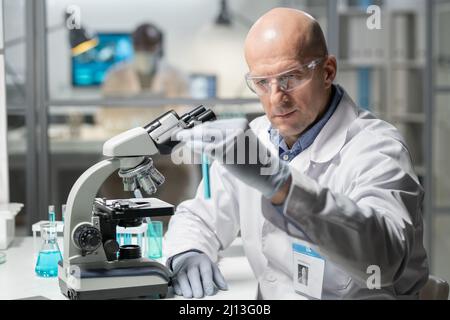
{"type": "Point", "coordinates": [330, 68]}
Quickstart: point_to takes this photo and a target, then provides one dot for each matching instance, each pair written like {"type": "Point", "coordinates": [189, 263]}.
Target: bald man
{"type": "Point", "coordinates": [341, 201]}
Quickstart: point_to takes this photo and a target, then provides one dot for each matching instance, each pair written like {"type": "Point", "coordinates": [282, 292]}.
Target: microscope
{"type": "Point", "coordinates": [94, 266]}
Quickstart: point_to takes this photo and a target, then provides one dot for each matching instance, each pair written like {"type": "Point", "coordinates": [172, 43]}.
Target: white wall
{"type": "Point", "coordinates": [4, 181]}
{"type": "Point", "coordinates": [191, 41]}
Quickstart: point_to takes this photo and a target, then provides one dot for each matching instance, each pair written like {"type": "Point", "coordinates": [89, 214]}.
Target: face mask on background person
{"type": "Point", "coordinates": [145, 62]}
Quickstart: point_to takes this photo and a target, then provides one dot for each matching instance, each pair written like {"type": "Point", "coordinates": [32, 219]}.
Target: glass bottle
{"type": "Point", "coordinates": [49, 255]}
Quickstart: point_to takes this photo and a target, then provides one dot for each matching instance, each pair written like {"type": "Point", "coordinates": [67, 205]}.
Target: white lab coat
{"type": "Point", "coordinates": [354, 194]}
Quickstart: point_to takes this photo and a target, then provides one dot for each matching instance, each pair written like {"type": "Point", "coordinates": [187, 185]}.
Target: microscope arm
{"type": "Point", "coordinates": [133, 142]}
{"type": "Point", "coordinates": [80, 200]}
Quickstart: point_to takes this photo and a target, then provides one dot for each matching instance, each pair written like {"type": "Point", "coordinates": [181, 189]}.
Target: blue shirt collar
{"type": "Point", "coordinates": [308, 137]}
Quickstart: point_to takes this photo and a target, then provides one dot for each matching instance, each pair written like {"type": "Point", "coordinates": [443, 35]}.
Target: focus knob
{"type": "Point", "coordinates": [87, 238]}
{"type": "Point", "coordinates": [111, 248]}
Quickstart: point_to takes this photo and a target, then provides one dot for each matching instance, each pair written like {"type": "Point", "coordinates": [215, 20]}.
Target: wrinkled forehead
{"type": "Point", "coordinates": [272, 53]}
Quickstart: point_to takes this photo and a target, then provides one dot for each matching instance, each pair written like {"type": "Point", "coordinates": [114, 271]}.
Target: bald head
{"type": "Point", "coordinates": [278, 43]}
{"type": "Point", "coordinates": [284, 32]}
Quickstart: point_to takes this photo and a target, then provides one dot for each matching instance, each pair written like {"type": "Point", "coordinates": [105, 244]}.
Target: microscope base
{"type": "Point", "coordinates": [136, 278]}
{"type": "Point", "coordinates": [152, 291]}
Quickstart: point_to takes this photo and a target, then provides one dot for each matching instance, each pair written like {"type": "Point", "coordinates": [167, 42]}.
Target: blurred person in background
{"type": "Point", "coordinates": [148, 74]}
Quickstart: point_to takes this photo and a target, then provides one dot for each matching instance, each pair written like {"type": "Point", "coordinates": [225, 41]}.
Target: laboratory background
{"type": "Point", "coordinates": [65, 90]}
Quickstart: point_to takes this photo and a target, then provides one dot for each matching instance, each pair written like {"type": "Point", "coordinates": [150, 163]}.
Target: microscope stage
{"type": "Point", "coordinates": [138, 207]}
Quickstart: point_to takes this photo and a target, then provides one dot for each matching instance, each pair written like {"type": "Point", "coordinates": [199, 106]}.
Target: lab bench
{"type": "Point", "coordinates": [18, 279]}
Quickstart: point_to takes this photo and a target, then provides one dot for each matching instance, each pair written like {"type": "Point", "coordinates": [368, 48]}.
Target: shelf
{"type": "Point", "coordinates": [442, 89]}
{"type": "Point", "coordinates": [409, 117]}
{"type": "Point", "coordinates": [358, 12]}
{"type": "Point", "coordinates": [145, 102]}
{"type": "Point", "coordinates": [408, 64]}
{"type": "Point", "coordinates": [349, 64]}
{"type": "Point", "coordinates": [353, 12]}
{"type": "Point", "coordinates": [402, 11]}
{"type": "Point", "coordinates": [67, 110]}
{"type": "Point", "coordinates": [15, 111]}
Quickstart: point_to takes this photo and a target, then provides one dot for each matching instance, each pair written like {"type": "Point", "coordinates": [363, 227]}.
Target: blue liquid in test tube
{"type": "Point", "coordinates": [205, 174]}
{"type": "Point", "coordinates": [51, 214]}
{"type": "Point", "coordinates": [127, 238]}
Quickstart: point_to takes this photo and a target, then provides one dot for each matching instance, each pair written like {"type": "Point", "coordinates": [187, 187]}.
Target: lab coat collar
{"type": "Point", "coordinates": [332, 137]}
{"type": "Point", "coordinates": [329, 141]}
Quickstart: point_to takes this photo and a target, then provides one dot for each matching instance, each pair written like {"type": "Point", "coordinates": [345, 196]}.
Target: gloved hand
{"type": "Point", "coordinates": [250, 161]}
{"type": "Point", "coordinates": [195, 275]}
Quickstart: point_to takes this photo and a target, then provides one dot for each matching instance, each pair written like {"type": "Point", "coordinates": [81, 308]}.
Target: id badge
{"type": "Point", "coordinates": [308, 269]}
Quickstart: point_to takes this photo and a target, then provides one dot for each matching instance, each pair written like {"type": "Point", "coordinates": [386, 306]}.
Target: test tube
{"type": "Point", "coordinates": [139, 240]}
{"type": "Point", "coordinates": [51, 213]}
{"type": "Point", "coordinates": [63, 212]}
{"type": "Point", "coordinates": [205, 174]}
{"type": "Point", "coordinates": [127, 238]}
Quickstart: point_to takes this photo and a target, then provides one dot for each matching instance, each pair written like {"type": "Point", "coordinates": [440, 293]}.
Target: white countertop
{"type": "Point", "coordinates": [18, 279]}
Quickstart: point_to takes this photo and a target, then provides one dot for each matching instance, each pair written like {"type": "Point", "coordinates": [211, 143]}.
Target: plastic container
{"type": "Point", "coordinates": [8, 214]}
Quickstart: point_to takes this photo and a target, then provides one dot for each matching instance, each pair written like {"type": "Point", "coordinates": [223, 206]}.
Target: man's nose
{"type": "Point", "coordinates": [276, 94]}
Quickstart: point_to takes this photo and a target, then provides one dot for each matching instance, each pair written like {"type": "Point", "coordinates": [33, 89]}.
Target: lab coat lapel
{"type": "Point", "coordinates": [332, 137]}
{"type": "Point", "coordinates": [329, 141]}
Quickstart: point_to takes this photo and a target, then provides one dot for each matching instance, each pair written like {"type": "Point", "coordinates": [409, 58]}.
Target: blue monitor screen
{"type": "Point", "coordinates": [90, 68]}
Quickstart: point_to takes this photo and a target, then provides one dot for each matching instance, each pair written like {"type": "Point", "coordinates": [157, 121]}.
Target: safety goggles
{"type": "Point", "coordinates": [286, 81]}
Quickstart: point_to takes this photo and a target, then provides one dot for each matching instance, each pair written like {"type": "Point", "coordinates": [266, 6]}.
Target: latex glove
{"type": "Point", "coordinates": [251, 162]}
{"type": "Point", "coordinates": [196, 275]}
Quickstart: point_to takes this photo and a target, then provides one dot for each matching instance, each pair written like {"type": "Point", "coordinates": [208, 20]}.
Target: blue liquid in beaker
{"type": "Point", "coordinates": [127, 238]}
{"type": "Point", "coordinates": [47, 263]}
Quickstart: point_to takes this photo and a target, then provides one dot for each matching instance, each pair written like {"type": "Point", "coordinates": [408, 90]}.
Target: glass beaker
{"type": "Point", "coordinates": [49, 254]}
{"type": "Point", "coordinates": [154, 239]}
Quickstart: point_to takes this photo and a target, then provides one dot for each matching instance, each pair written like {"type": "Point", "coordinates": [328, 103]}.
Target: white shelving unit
{"type": "Point", "coordinates": [406, 69]}
{"type": "Point", "coordinates": [441, 110]}
{"type": "Point", "coordinates": [392, 61]}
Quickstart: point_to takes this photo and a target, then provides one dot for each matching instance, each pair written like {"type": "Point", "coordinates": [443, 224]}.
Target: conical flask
{"type": "Point", "coordinates": [49, 254]}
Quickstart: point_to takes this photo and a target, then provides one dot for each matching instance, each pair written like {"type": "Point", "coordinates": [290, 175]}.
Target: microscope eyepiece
{"type": "Point", "coordinates": [189, 115]}
{"type": "Point", "coordinates": [163, 129]}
